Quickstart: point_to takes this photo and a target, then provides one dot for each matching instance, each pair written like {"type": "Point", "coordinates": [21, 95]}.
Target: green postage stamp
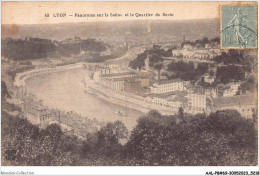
{"type": "Point", "coordinates": [238, 27]}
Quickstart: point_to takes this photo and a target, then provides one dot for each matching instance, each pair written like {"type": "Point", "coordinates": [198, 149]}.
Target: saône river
{"type": "Point", "coordinates": [63, 91]}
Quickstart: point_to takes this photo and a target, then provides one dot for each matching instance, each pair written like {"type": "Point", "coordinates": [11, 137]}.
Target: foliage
{"type": "Point", "coordinates": [97, 58]}
{"type": "Point", "coordinates": [222, 138]}
{"type": "Point", "coordinates": [226, 74]}
{"type": "Point", "coordinates": [237, 57]}
{"type": "Point", "coordinates": [186, 71]}
{"type": "Point", "coordinates": [202, 42]}
{"type": "Point", "coordinates": [139, 61]}
{"type": "Point", "coordinates": [250, 84]}
{"type": "Point", "coordinates": [4, 90]}
{"type": "Point", "coordinates": [155, 55]}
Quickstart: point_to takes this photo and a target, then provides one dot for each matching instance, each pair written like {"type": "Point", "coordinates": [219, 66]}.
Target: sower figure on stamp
{"type": "Point", "coordinates": [237, 22]}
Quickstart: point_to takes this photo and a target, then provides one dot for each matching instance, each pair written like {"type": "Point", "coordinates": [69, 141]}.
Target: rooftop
{"type": "Point", "coordinates": [171, 96]}
{"type": "Point", "coordinates": [168, 81]}
{"type": "Point", "coordinates": [132, 79]}
{"type": "Point", "coordinates": [119, 74]}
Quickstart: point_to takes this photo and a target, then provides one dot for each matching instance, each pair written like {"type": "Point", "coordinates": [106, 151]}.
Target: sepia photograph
{"type": "Point", "coordinates": [129, 83]}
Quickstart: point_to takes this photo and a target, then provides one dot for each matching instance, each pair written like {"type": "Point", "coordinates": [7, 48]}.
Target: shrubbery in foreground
{"type": "Point", "coordinates": [222, 138]}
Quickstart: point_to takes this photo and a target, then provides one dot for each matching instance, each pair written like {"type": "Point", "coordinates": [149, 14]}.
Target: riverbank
{"type": "Point", "coordinates": [20, 78]}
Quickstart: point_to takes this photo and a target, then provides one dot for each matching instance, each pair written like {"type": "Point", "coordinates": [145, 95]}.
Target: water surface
{"type": "Point", "coordinates": [63, 91]}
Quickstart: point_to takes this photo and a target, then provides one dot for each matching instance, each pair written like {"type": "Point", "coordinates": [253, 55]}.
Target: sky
{"type": "Point", "coordinates": [34, 12]}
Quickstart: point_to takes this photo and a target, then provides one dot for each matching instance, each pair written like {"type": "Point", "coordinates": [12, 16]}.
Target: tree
{"type": "Point", "coordinates": [205, 40]}
{"type": "Point", "coordinates": [159, 67]}
{"type": "Point", "coordinates": [4, 92]}
{"type": "Point", "coordinates": [54, 131]}
{"type": "Point", "coordinates": [139, 61]}
{"type": "Point", "coordinates": [181, 112]}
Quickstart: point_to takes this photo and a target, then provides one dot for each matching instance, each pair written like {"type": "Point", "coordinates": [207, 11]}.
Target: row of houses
{"type": "Point", "coordinates": [190, 53]}
{"type": "Point", "coordinates": [174, 93]}
{"type": "Point", "coordinates": [173, 99]}
{"type": "Point", "coordinates": [164, 86]}
{"type": "Point", "coordinates": [200, 103]}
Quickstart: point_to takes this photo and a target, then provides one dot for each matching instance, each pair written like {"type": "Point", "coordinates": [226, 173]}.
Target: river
{"type": "Point", "coordinates": [62, 90]}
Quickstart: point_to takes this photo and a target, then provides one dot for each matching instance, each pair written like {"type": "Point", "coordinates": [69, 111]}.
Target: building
{"type": "Point", "coordinates": [133, 85]}
{"type": "Point", "coordinates": [208, 79]}
{"type": "Point", "coordinates": [164, 86]}
{"type": "Point", "coordinates": [210, 92]}
{"type": "Point", "coordinates": [118, 81]}
{"type": "Point", "coordinates": [175, 99]}
{"type": "Point", "coordinates": [244, 104]}
{"type": "Point", "coordinates": [117, 75]}
{"type": "Point", "coordinates": [187, 46]}
{"type": "Point", "coordinates": [231, 89]}
{"type": "Point", "coordinates": [38, 114]}
{"type": "Point", "coordinates": [201, 53]}
{"type": "Point", "coordinates": [146, 62]}
{"type": "Point", "coordinates": [145, 81]}
{"type": "Point", "coordinates": [113, 83]}
{"type": "Point", "coordinates": [197, 103]}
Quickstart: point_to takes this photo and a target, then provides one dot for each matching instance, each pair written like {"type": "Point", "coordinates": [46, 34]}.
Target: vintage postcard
{"type": "Point", "coordinates": [129, 84]}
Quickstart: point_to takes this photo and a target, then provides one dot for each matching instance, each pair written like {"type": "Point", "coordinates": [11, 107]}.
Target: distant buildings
{"type": "Point", "coordinates": [189, 51]}
{"type": "Point", "coordinates": [40, 64]}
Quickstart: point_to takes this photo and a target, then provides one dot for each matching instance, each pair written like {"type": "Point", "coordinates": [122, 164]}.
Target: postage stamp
{"type": "Point", "coordinates": [238, 27]}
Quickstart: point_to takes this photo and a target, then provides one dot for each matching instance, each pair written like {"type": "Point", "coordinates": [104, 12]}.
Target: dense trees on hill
{"type": "Point", "coordinates": [32, 48]}
{"type": "Point", "coordinates": [250, 84]}
{"type": "Point", "coordinates": [186, 71]}
{"type": "Point", "coordinates": [222, 138]}
{"type": "Point", "coordinates": [155, 56]}
{"type": "Point", "coordinates": [139, 61]}
{"type": "Point", "coordinates": [202, 42]}
{"type": "Point", "coordinates": [226, 74]}
{"type": "Point", "coordinates": [237, 57]}
{"type": "Point", "coordinates": [237, 65]}
{"type": "Point", "coordinates": [36, 48]}
{"type": "Point", "coordinates": [114, 55]}
{"type": "Point", "coordinates": [231, 57]}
